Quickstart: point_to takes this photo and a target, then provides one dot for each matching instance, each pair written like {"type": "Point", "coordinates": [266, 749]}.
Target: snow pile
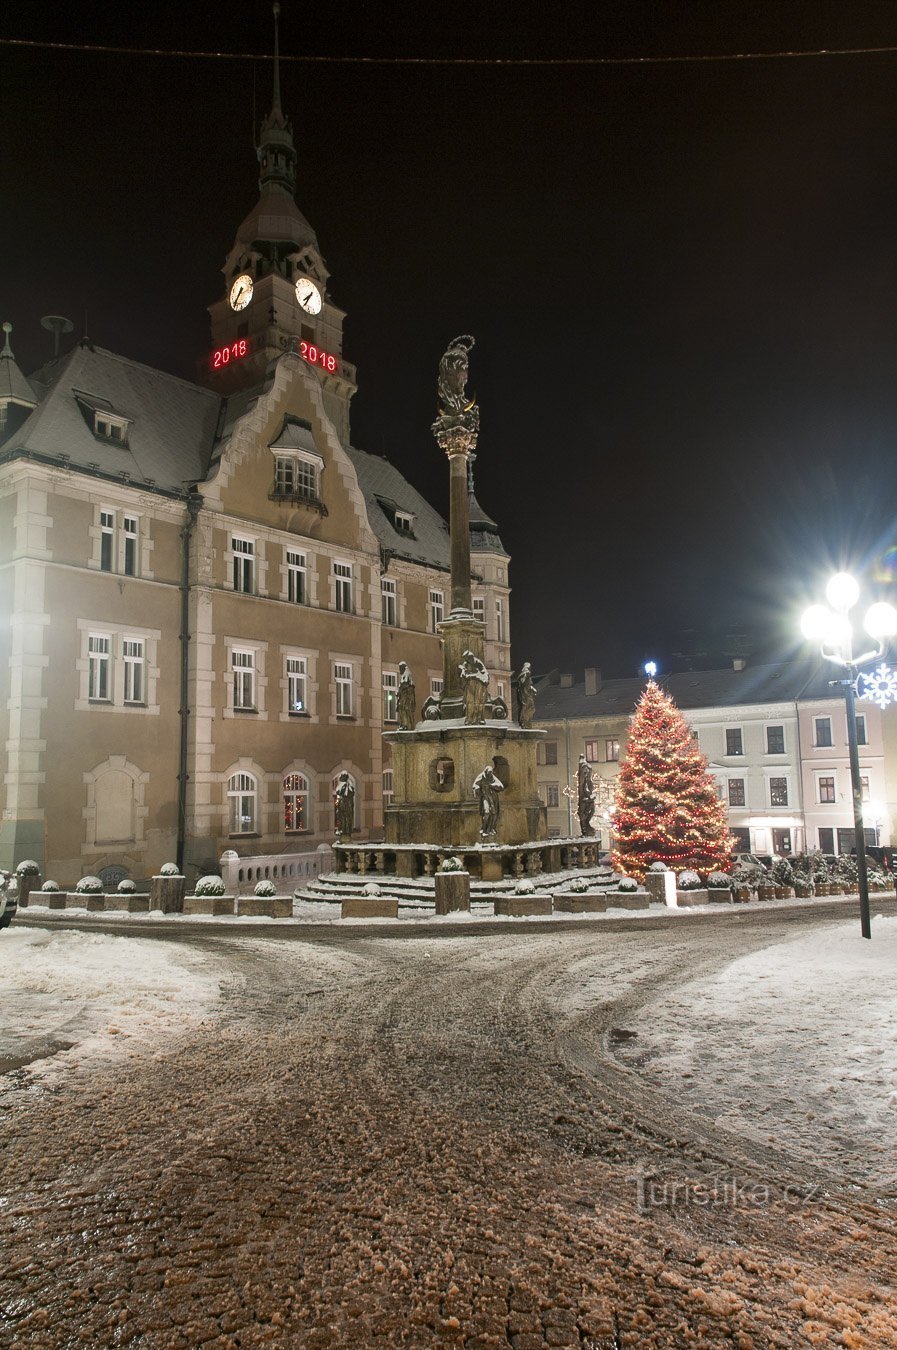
{"type": "Point", "coordinates": [64, 989]}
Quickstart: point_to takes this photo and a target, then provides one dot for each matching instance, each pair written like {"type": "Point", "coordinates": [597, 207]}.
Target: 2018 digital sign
{"type": "Point", "coordinates": [222, 356]}
{"type": "Point", "coordinates": [314, 355]}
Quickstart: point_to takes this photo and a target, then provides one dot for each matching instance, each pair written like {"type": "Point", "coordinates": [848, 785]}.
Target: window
{"type": "Point", "coordinates": [243, 668]}
{"type": "Point", "coordinates": [775, 740]}
{"type": "Point", "coordinates": [864, 789]}
{"type": "Point", "coordinates": [297, 694]}
{"type": "Point", "coordinates": [861, 729]}
{"type": "Point", "coordinates": [388, 601]}
{"type": "Point", "coordinates": [297, 578]}
{"type": "Point", "coordinates": [388, 790]}
{"type": "Point", "coordinates": [826, 789]}
{"type": "Point", "coordinates": [549, 752]}
{"type": "Point", "coordinates": [342, 584]}
{"type": "Point", "coordinates": [435, 687]}
{"type": "Point", "coordinates": [342, 677]}
{"type": "Point", "coordinates": [390, 696]}
{"type": "Point", "coordinates": [404, 522]}
{"type": "Point", "coordinates": [479, 608]}
{"type": "Point", "coordinates": [437, 610]}
{"type": "Point", "coordinates": [107, 540]}
{"type": "Point", "coordinates": [592, 752]}
{"type": "Point", "coordinates": [129, 530]}
{"type": "Point", "coordinates": [736, 792]}
{"type": "Point", "coordinates": [295, 478]}
{"type": "Point", "coordinates": [110, 427]}
{"type": "Point", "coordinates": [295, 803]}
{"type": "Point", "coordinates": [778, 791]}
{"type": "Point", "coordinates": [99, 656]}
{"type": "Point", "coordinates": [499, 620]}
{"type": "Point", "coordinates": [612, 750]}
{"type": "Point", "coordinates": [242, 796]}
{"type": "Point", "coordinates": [552, 795]}
{"type": "Point", "coordinates": [244, 565]}
{"type": "Point", "coordinates": [781, 842]}
{"type": "Point", "coordinates": [847, 841]}
{"type": "Point", "coordinates": [823, 727]}
{"type": "Point", "coordinates": [826, 839]}
{"type": "Point", "coordinates": [733, 741]}
{"type": "Point", "coordinates": [134, 659]}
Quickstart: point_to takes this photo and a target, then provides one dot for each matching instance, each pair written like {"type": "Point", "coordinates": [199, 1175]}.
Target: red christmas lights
{"type": "Point", "coordinates": [667, 808]}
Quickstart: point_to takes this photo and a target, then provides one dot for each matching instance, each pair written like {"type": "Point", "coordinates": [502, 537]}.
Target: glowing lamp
{"type": "Point", "coordinates": [815, 622]}
{"type": "Point", "coordinates": [651, 668]}
{"type": "Point", "coordinates": [881, 620]}
{"type": "Point", "coordinates": [842, 591]}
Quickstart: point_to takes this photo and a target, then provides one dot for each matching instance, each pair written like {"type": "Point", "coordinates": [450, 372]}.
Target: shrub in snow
{"type": "Point", "coordinates": [689, 881]}
{"type": "Point", "coordinates": [658, 867]}
{"type": "Point", "coordinates": [264, 888]}
{"type": "Point", "coordinates": [819, 868]}
{"type": "Point", "coordinates": [169, 870]}
{"type": "Point", "coordinates": [89, 886]}
{"type": "Point", "coordinates": [451, 865]}
{"type": "Point", "coordinates": [50, 886]}
{"type": "Point", "coordinates": [782, 872]}
{"type": "Point", "coordinates": [627, 884]}
{"type": "Point", "coordinates": [371, 888]}
{"type": "Point", "coordinates": [210, 885]}
{"type": "Point", "coordinates": [719, 881]}
{"type": "Point", "coordinates": [525, 887]}
{"type": "Point", "coordinates": [126, 886]}
{"type": "Point", "coordinates": [27, 868]}
{"type": "Point", "coordinates": [578, 886]}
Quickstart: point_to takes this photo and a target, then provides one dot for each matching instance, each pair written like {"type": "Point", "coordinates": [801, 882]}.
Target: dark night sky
{"type": "Point", "coordinates": [681, 277]}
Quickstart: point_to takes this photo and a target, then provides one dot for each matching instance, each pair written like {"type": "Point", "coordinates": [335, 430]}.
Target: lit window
{"type": "Point", "coordinates": [827, 789]}
{"type": "Point", "coordinates": [296, 578]}
{"type": "Point", "coordinates": [861, 729]}
{"type": "Point", "coordinates": [342, 678]}
{"type": "Point", "coordinates": [242, 795]}
{"type": "Point", "coordinates": [479, 608]}
{"type": "Point", "coordinates": [437, 610]}
{"type": "Point", "coordinates": [388, 601]}
{"type": "Point", "coordinates": [775, 740]}
{"type": "Point", "coordinates": [388, 790]}
{"type": "Point", "coordinates": [390, 696]}
{"type": "Point", "coordinates": [244, 565]}
{"type": "Point", "coordinates": [295, 803]}
{"type": "Point", "coordinates": [734, 744]}
{"type": "Point", "coordinates": [99, 684]}
{"type": "Point", "coordinates": [107, 540]}
{"type": "Point", "coordinates": [243, 667]}
{"type": "Point", "coordinates": [864, 788]}
{"type": "Point", "coordinates": [736, 792]}
{"type": "Point", "coordinates": [826, 839]}
{"type": "Point", "coordinates": [500, 620]}
{"type": "Point", "coordinates": [342, 582]}
{"type": "Point", "coordinates": [129, 530]}
{"type": "Point", "coordinates": [823, 727]}
{"type": "Point", "coordinates": [778, 791]}
{"type": "Point", "coordinates": [552, 794]}
{"type": "Point", "coordinates": [133, 656]}
{"type": "Point", "coordinates": [592, 752]}
{"type": "Point", "coordinates": [296, 684]}
{"type": "Point", "coordinates": [612, 750]}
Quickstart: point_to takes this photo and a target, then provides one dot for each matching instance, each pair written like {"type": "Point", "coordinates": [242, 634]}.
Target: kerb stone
{"type": "Point", "coordinates": [452, 891]}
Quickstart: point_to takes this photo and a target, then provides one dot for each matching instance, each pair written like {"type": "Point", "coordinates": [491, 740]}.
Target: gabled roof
{"type": "Point", "coordinates": [172, 424]}
{"type": "Point", "coordinates": [784, 682]}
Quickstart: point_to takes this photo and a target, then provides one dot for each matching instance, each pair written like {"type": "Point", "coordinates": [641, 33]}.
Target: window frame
{"type": "Point", "coordinates": [244, 676]}
{"type": "Point", "coordinates": [779, 727]}
{"type": "Point", "coordinates": [296, 563]}
{"type": "Point", "coordinates": [244, 554]}
{"type": "Point", "coordinates": [343, 586]}
{"type": "Point", "coordinates": [817, 743]}
{"type": "Point", "coordinates": [825, 800]}
{"type": "Point", "coordinates": [390, 688]}
{"type": "Point", "coordinates": [238, 794]}
{"type": "Point", "coordinates": [389, 602]}
{"type": "Point", "coordinates": [436, 608]}
{"type": "Point", "coordinates": [344, 689]}
{"type": "Point", "coordinates": [782, 790]}
{"type": "Point", "coordinates": [99, 668]}
{"type": "Point", "coordinates": [298, 677]}
{"type": "Point", "coordinates": [611, 750]}
{"type": "Point", "coordinates": [134, 668]}
{"type": "Point", "coordinates": [742, 784]}
{"type": "Point", "coordinates": [294, 788]}
{"type": "Point", "coordinates": [734, 730]}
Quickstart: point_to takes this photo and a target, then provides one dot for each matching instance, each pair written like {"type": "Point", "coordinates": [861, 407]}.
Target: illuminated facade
{"type": "Point", "coordinates": [208, 590]}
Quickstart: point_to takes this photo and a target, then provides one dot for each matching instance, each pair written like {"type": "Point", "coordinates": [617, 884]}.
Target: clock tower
{"type": "Point", "coordinates": [275, 284]}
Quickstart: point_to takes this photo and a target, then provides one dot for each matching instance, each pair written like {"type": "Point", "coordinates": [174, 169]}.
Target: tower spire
{"type": "Point", "coordinates": [276, 152]}
{"type": "Point", "coordinates": [276, 103]}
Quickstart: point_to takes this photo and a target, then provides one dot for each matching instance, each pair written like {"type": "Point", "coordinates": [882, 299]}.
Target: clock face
{"type": "Point", "coordinates": [241, 292]}
{"type": "Point", "coordinates": [308, 295]}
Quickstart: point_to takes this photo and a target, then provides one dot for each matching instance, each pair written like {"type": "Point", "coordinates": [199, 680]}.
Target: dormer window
{"type": "Point", "coordinates": [401, 521]}
{"type": "Point", "coordinates": [110, 427]}
{"type": "Point", "coordinates": [297, 465]}
{"type": "Point", "coordinates": [404, 522]}
{"type": "Point", "coordinates": [294, 477]}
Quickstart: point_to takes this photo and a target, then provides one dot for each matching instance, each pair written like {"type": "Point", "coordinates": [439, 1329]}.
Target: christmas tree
{"type": "Point", "coordinates": [667, 808]}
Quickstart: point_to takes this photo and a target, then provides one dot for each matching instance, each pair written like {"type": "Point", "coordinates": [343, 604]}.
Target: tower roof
{"type": "Point", "coordinates": [13, 385]}
{"type": "Point", "coordinates": [276, 152]}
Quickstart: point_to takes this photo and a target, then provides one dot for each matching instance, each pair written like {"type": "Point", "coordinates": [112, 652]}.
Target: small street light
{"type": "Point", "coordinates": [830, 626]}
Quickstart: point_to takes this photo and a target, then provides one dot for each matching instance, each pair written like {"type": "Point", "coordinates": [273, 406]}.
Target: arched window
{"type": "Point", "coordinates": [333, 785]}
{"type": "Point", "coordinates": [243, 803]}
{"type": "Point", "coordinates": [295, 803]}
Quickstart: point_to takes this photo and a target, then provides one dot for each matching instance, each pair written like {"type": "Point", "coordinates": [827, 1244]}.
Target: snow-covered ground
{"type": "Point", "coordinates": [82, 993]}
{"type": "Point", "coordinates": [793, 1045]}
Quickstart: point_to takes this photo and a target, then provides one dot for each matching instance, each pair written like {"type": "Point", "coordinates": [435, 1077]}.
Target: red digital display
{"type": "Point", "coordinates": [222, 356]}
{"type": "Point", "coordinates": [317, 357]}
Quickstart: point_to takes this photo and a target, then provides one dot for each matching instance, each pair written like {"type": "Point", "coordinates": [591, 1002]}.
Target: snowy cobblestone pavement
{"type": "Point", "coordinates": [369, 1140]}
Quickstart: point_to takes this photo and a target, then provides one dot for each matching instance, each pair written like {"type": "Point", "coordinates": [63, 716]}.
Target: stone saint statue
{"type": "Point", "coordinates": [526, 696]}
{"type": "Point", "coordinates": [586, 796]}
{"type": "Point", "coordinates": [475, 683]}
{"type": "Point", "coordinates": [407, 704]}
{"type": "Point", "coordinates": [344, 805]}
{"type": "Point", "coordinates": [452, 384]}
{"type": "Point", "coordinates": [486, 788]}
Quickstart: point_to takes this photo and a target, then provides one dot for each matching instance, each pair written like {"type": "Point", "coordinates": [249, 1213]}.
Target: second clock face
{"type": "Point", "coordinates": [241, 292]}
{"type": "Point", "coordinates": [308, 295]}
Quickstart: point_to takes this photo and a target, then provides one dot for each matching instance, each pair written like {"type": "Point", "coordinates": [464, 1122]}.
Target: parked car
{"type": "Point", "coordinates": [763, 860]}
{"type": "Point", "coordinates": [9, 898]}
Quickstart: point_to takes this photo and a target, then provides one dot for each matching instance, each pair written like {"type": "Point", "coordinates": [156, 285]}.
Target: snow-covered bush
{"type": "Point", "coordinates": [210, 885]}
{"type": "Point", "coordinates": [371, 888]}
{"type": "Point", "coordinates": [169, 870]}
{"type": "Point", "coordinates": [525, 887]}
{"type": "Point", "coordinates": [50, 886]}
{"type": "Point", "coordinates": [579, 886]}
{"type": "Point", "coordinates": [689, 881]}
{"type": "Point", "coordinates": [89, 886]}
{"type": "Point", "coordinates": [627, 884]}
{"type": "Point", "coordinates": [264, 888]}
{"type": "Point", "coordinates": [126, 886]}
{"type": "Point", "coordinates": [819, 868]}
{"type": "Point", "coordinates": [27, 868]}
{"type": "Point", "coordinates": [719, 881]}
{"type": "Point", "coordinates": [782, 872]}
{"type": "Point", "coordinates": [658, 867]}
{"type": "Point", "coordinates": [451, 864]}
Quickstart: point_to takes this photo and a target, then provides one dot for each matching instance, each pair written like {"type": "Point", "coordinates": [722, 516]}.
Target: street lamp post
{"type": "Point", "coordinates": [830, 624]}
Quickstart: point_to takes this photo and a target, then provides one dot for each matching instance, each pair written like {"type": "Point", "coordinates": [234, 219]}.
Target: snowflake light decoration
{"type": "Point", "coordinates": [880, 686]}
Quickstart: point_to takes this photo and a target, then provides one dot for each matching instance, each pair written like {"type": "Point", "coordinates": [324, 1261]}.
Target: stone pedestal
{"type": "Point", "coordinates": [167, 894]}
{"type": "Point", "coordinates": [30, 881]}
{"type": "Point", "coordinates": [518, 906]}
{"type": "Point", "coordinates": [132, 904]}
{"type": "Point", "coordinates": [265, 906]}
{"type": "Point", "coordinates": [209, 904]}
{"type": "Point", "coordinates": [583, 903]}
{"type": "Point", "coordinates": [452, 891]}
{"type": "Point", "coordinates": [657, 885]}
{"type": "Point", "coordinates": [369, 907]}
{"type": "Point", "coordinates": [690, 899]}
{"type": "Point", "coordinates": [720, 895]}
{"type": "Point", "coordinates": [628, 899]}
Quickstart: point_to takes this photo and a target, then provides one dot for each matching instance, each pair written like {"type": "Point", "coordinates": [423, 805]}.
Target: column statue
{"type": "Point", "coordinates": [486, 788]}
{"type": "Point", "coordinates": [475, 685]}
{"type": "Point", "coordinates": [526, 696]}
{"type": "Point", "coordinates": [406, 702]}
{"type": "Point", "coordinates": [344, 805]}
{"type": "Point", "coordinates": [586, 796]}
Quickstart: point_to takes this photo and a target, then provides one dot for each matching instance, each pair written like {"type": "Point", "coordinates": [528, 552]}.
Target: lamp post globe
{"type": "Point", "coordinates": [881, 620]}
{"type": "Point", "coordinates": [842, 591]}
